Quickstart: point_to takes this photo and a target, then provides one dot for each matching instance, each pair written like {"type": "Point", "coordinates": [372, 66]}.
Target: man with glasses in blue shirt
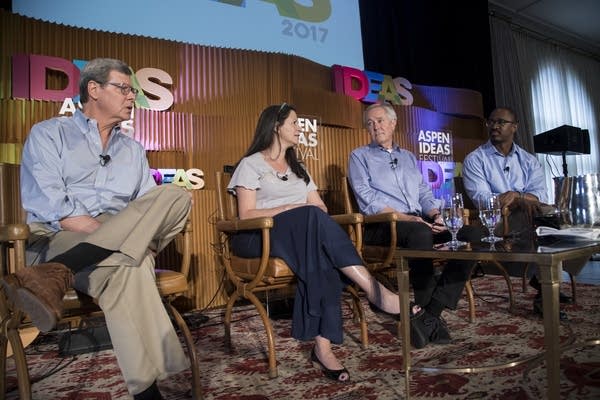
{"type": "Point", "coordinates": [88, 190]}
{"type": "Point", "coordinates": [386, 178]}
{"type": "Point", "coordinates": [501, 166]}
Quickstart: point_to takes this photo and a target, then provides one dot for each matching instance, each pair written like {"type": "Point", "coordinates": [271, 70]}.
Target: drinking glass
{"type": "Point", "coordinates": [452, 214]}
{"type": "Point", "coordinates": [490, 214]}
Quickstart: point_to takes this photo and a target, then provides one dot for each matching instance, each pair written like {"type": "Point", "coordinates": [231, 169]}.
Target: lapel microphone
{"type": "Point", "coordinates": [394, 163]}
{"type": "Point", "coordinates": [104, 159]}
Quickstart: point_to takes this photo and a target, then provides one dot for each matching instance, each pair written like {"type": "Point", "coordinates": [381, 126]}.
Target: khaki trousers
{"type": "Point", "coordinates": [144, 340]}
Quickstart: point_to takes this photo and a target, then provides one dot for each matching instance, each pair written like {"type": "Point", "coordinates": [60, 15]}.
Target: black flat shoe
{"type": "Point", "coordinates": [539, 310]}
{"type": "Point", "coordinates": [333, 374]}
{"type": "Point", "coordinates": [396, 317]}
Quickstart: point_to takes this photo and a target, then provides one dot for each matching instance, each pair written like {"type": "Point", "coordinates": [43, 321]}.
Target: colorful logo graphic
{"type": "Point", "coordinates": [30, 74]}
{"type": "Point", "coordinates": [319, 11]}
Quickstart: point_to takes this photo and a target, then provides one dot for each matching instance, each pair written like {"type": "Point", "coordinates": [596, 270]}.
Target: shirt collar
{"type": "Point", "coordinates": [375, 146]}
{"type": "Point", "coordinates": [489, 148]}
{"type": "Point", "coordinates": [87, 124]}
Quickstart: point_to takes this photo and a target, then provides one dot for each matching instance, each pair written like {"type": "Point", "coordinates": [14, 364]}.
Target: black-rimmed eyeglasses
{"type": "Point", "coordinates": [502, 122]}
{"type": "Point", "coordinates": [125, 89]}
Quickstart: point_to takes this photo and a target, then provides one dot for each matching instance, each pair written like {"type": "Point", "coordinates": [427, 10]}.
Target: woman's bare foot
{"type": "Point", "coordinates": [378, 294]}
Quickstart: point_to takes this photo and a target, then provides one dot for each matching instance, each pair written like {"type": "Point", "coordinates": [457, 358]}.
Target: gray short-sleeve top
{"type": "Point", "coordinates": [254, 173]}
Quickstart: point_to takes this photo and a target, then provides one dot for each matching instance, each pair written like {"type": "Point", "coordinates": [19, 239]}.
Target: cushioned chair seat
{"type": "Point", "coordinates": [375, 252]}
{"type": "Point", "coordinates": [248, 267]}
{"type": "Point", "coordinates": [170, 282]}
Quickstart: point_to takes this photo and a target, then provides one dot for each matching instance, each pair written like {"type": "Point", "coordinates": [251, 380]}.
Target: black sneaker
{"type": "Point", "coordinates": [441, 335]}
{"type": "Point", "coordinates": [427, 328]}
{"type": "Point", "coordinates": [419, 330]}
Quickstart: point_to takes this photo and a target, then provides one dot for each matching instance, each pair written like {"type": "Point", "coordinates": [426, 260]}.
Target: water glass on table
{"type": "Point", "coordinates": [490, 213]}
{"type": "Point", "coordinates": [453, 214]}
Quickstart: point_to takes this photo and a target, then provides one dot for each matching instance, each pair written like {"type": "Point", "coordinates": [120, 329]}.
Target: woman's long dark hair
{"type": "Point", "coordinates": [265, 134]}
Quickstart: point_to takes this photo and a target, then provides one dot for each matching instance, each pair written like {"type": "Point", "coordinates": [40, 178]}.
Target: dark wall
{"type": "Point", "coordinates": [428, 42]}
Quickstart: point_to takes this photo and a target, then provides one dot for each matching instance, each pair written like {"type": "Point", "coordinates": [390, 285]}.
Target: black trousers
{"type": "Point", "coordinates": [445, 288]}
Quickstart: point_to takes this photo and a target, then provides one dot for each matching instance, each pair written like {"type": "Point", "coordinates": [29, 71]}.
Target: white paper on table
{"type": "Point", "coordinates": [574, 233]}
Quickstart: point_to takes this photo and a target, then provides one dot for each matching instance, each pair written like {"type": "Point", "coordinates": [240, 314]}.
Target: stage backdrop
{"type": "Point", "coordinates": [199, 107]}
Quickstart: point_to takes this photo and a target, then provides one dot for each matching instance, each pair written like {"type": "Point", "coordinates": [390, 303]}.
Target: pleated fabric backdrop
{"type": "Point", "coordinates": [218, 94]}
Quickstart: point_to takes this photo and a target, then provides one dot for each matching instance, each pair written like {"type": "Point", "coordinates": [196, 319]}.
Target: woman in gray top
{"type": "Point", "coordinates": [270, 181]}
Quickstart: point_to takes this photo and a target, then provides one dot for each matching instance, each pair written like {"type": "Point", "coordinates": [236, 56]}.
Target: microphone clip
{"type": "Point", "coordinates": [104, 159]}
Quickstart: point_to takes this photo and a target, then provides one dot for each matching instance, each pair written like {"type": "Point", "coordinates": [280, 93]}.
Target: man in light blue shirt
{"type": "Point", "coordinates": [88, 191]}
{"type": "Point", "coordinates": [502, 167]}
{"type": "Point", "coordinates": [386, 178]}
{"type": "Point", "coordinates": [67, 171]}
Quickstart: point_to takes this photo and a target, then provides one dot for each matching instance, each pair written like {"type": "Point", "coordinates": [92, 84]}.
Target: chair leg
{"type": "Point", "coordinates": [189, 342]}
{"type": "Point", "coordinates": [3, 351]}
{"type": "Point", "coordinates": [511, 297]}
{"type": "Point", "coordinates": [10, 334]}
{"type": "Point", "coordinates": [573, 287]}
{"type": "Point", "coordinates": [21, 363]}
{"type": "Point", "coordinates": [268, 330]}
{"type": "Point", "coordinates": [227, 321]}
{"type": "Point", "coordinates": [525, 281]}
{"type": "Point", "coordinates": [471, 299]}
{"type": "Point", "coordinates": [358, 311]}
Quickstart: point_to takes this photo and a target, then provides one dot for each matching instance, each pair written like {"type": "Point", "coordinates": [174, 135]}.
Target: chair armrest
{"type": "Point", "coordinates": [245, 224]}
{"type": "Point", "coordinates": [348, 219]}
{"type": "Point", "coordinates": [381, 217]}
{"type": "Point", "coordinates": [13, 232]}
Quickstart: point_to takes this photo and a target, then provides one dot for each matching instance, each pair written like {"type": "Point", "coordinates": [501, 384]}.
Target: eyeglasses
{"type": "Point", "coordinates": [502, 122]}
{"type": "Point", "coordinates": [125, 89]}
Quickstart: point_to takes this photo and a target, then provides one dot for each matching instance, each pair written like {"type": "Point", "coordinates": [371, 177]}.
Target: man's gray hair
{"type": "Point", "coordinates": [389, 111]}
{"type": "Point", "coordinates": [97, 70]}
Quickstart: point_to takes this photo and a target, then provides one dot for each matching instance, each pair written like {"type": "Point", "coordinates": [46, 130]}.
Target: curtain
{"type": "Point", "coordinates": [548, 85]}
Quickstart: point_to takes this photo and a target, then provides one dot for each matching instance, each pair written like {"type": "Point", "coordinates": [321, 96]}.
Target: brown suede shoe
{"type": "Point", "coordinates": [38, 291]}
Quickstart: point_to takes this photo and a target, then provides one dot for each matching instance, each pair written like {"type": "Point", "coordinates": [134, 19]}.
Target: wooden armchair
{"type": "Point", "coordinates": [251, 276]}
{"type": "Point", "coordinates": [14, 235]}
{"type": "Point", "coordinates": [173, 283]}
{"type": "Point", "coordinates": [380, 260]}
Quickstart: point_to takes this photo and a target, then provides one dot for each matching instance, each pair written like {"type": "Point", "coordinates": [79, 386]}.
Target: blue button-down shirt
{"type": "Point", "coordinates": [61, 174]}
{"type": "Point", "coordinates": [382, 178]}
{"type": "Point", "coordinates": [486, 171]}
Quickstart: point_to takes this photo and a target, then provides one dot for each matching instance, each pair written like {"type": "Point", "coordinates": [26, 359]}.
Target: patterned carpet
{"type": "Point", "coordinates": [241, 374]}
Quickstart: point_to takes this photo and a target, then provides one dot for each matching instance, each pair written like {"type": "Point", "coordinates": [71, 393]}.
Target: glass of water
{"type": "Point", "coordinates": [490, 214]}
{"type": "Point", "coordinates": [453, 214]}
